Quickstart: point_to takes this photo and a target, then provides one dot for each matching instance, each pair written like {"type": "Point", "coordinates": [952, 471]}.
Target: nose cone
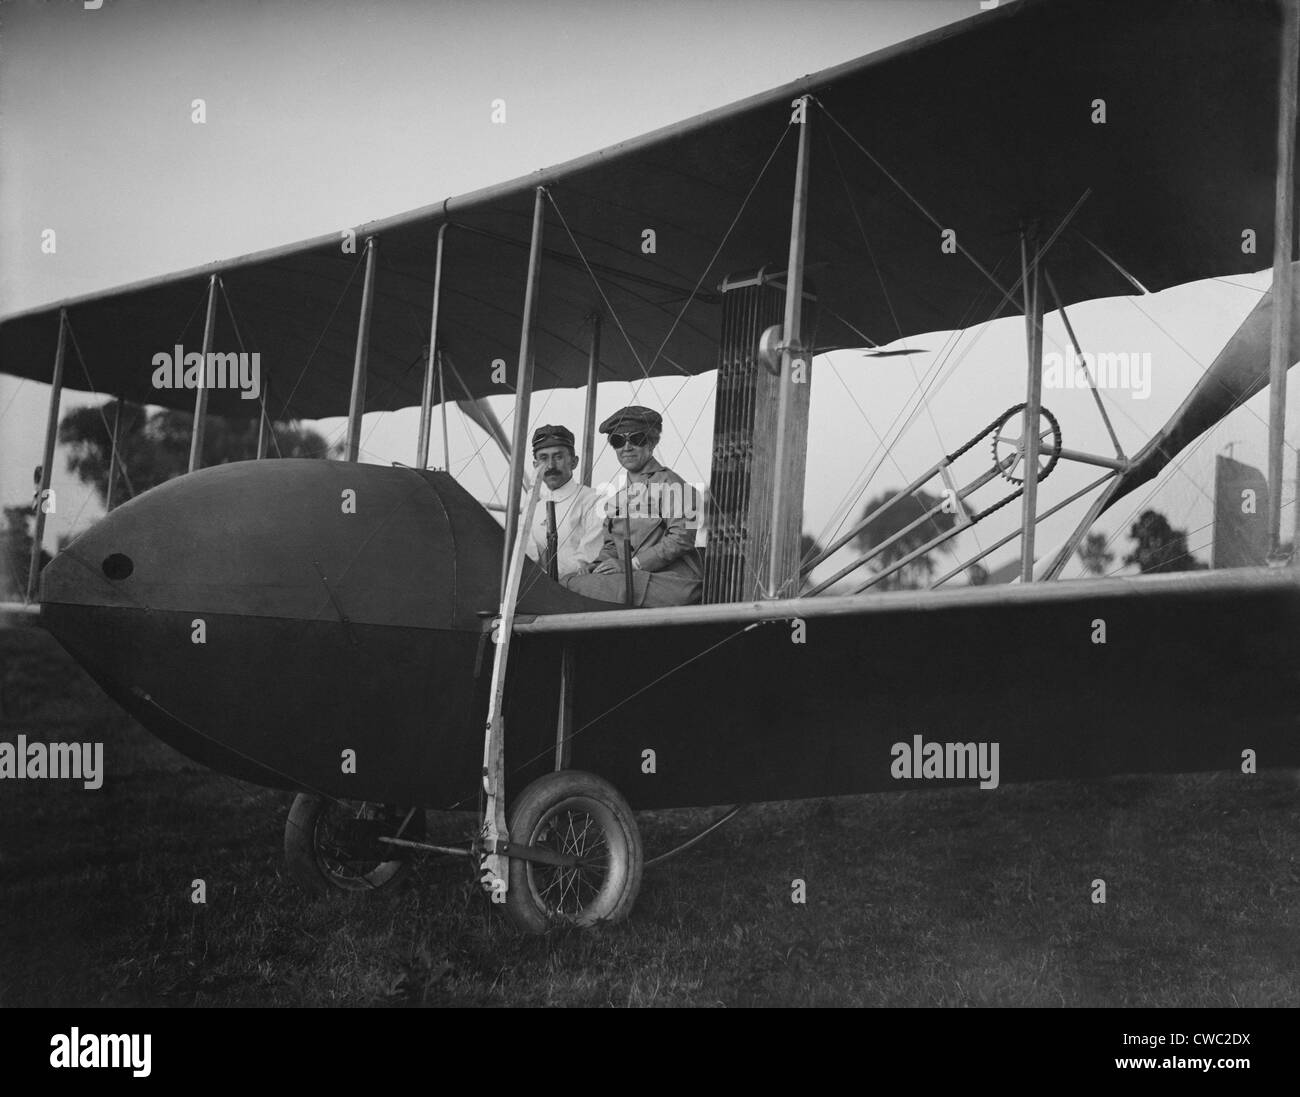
{"type": "Point", "coordinates": [263, 617]}
{"type": "Point", "coordinates": [274, 539]}
{"type": "Point", "coordinates": [267, 618]}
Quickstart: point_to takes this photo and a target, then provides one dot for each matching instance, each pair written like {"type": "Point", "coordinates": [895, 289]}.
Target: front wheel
{"type": "Point", "coordinates": [580, 815]}
{"type": "Point", "coordinates": [332, 846]}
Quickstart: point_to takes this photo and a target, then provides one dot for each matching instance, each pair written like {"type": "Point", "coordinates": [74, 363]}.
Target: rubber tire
{"type": "Point", "coordinates": [618, 894]}
{"type": "Point", "coordinates": [303, 857]}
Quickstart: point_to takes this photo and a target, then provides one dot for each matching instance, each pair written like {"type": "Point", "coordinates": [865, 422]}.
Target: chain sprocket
{"type": "Point", "coordinates": [1054, 454]}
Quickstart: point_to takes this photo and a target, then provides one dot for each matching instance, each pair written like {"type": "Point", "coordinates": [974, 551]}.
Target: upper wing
{"type": "Point", "coordinates": [977, 127]}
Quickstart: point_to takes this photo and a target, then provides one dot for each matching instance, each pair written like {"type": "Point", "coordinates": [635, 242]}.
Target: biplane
{"type": "Point", "coordinates": [1017, 162]}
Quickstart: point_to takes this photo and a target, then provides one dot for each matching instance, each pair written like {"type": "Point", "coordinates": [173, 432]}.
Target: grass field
{"type": "Point", "coordinates": [945, 898]}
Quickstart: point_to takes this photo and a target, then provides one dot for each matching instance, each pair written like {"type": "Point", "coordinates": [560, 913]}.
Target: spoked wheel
{"type": "Point", "coordinates": [1009, 447]}
{"type": "Point", "coordinates": [333, 846]}
{"type": "Point", "coordinates": [580, 815]}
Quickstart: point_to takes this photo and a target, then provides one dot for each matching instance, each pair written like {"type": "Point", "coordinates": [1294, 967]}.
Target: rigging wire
{"type": "Point", "coordinates": [263, 416]}
{"type": "Point", "coordinates": [645, 371]}
{"type": "Point", "coordinates": [356, 266]}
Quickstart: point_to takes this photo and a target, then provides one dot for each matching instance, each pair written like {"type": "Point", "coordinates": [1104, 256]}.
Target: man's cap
{"type": "Point", "coordinates": [552, 436]}
{"type": "Point", "coordinates": [632, 418]}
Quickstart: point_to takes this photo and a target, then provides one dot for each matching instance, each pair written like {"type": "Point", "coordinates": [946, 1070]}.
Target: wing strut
{"type": "Point", "coordinates": [589, 416]}
{"type": "Point", "coordinates": [494, 872]}
{"type": "Point", "coordinates": [1279, 359]}
{"type": "Point", "coordinates": [524, 384]}
{"type": "Point", "coordinates": [357, 403]}
{"type": "Point", "coordinates": [1031, 278]}
{"type": "Point", "coordinates": [199, 429]}
{"type": "Point", "coordinates": [47, 465]}
{"type": "Point", "coordinates": [433, 363]}
{"type": "Point", "coordinates": [791, 454]}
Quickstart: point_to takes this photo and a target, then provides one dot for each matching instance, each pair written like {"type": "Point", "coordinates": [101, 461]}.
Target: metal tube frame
{"type": "Point", "coordinates": [964, 522]}
{"type": "Point", "coordinates": [1016, 533]}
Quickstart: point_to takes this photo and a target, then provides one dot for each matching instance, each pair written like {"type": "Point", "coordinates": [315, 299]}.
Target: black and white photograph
{"type": "Point", "coordinates": [754, 503]}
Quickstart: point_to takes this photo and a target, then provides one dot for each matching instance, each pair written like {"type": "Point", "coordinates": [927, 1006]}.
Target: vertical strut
{"type": "Point", "coordinates": [357, 403]}
{"type": "Point", "coordinates": [589, 415]}
{"type": "Point", "coordinates": [47, 465]}
{"type": "Point", "coordinates": [494, 866]}
{"type": "Point", "coordinates": [778, 548]}
{"type": "Point", "coordinates": [1033, 405]}
{"type": "Point", "coordinates": [426, 395]}
{"type": "Point", "coordinates": [442, 407]}
{"type": "Point", "coordinates": [201, 395]}
{"type": "Point", "coordinates": [524, 383]}
{"type": "Point", "coordinates": [1280, 348]}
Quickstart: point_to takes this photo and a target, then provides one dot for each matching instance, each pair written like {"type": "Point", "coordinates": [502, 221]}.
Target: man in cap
{"type": "Point", "coordinates": [569, 520]}
{"type": "Point", "coordinates": [649, 556]}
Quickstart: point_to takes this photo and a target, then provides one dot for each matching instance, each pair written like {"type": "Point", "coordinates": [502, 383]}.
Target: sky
{"type": "Point", "coordinates": [329, 113]}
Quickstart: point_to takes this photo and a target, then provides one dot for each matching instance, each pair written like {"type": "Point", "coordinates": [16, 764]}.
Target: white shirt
{"type": "Point", "coordinates": [579, 525]}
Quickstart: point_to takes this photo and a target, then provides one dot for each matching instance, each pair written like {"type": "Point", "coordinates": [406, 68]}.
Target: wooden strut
{"type": "Point", "coordinates": [524, 381]}
{"type": "Point", "coordinates": [47, 464]}
{"type": "Point", "coordinates": [589, 413]}
{"type": "Point", "coordinates": [442, 407]}
{"type": "Point", "coordinates": [1279, 349]}
{"type": "Point", "coordinates": [357, 402]}
{"type": "Point", "coordinates": [564, 724]}
{"type": "Point", "coordinates": [432, 366]}
{"type": "Point", "coordinates": [199, 429]}
{"type": "Point", "coordinates": [494, 872]}
{"type": "Point", "coordinates": [778, 546]}
{"type": "Point", "coordinates": [1033, 408]}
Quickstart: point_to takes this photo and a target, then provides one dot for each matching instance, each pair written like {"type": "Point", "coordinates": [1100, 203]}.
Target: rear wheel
{"type": "Point", "coordinates": [333, 846]}
{"type": "Point", "coordinates": [580, 815]}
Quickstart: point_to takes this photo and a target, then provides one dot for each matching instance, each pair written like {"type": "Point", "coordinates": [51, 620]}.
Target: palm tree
{"type": "Point", "coordinates": [1160, 547]}
{"type": "Point", "coordinates": [1094, 554]}
{"type": "Point", "coordinates": [915, 575]}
